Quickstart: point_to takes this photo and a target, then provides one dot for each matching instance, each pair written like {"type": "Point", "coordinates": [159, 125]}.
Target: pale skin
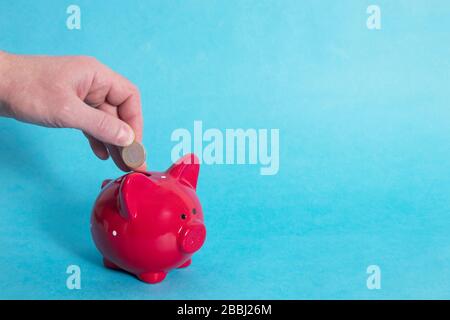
{"type": "Point", "coordinates": [73, 92]}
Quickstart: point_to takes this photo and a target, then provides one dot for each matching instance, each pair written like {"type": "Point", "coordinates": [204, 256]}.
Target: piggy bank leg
{"type": "Point", "coordinates": [186, 264]}
{"type": "Point", "coordinates": [109, 264]}
{"type": "Point", "coordinates": [152, 277]}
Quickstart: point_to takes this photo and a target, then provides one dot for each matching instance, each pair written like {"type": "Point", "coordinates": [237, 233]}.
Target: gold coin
{"type": "Point", "coordinates": [133, 155]}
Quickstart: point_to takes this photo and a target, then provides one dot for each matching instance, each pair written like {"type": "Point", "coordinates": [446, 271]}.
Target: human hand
{"type": "Point", "coordinates": [73, 92]}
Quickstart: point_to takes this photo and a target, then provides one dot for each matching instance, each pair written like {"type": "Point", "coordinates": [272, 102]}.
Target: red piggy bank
{"type": "Point", "coordinates": [149, 223]}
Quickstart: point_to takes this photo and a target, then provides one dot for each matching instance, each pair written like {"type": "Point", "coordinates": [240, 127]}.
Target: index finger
{"type": "Point", "coordinates": [126, 97]}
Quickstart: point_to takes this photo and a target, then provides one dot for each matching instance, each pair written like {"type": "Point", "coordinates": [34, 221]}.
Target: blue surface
{"type": "Point", "coordinates": [364, 121]}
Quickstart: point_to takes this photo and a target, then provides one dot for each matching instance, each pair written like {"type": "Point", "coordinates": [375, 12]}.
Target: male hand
{"type": "Point", "coordinates": [73, 92]}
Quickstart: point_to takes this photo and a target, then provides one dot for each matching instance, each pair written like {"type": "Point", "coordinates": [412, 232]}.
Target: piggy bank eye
{"type": "Point", "coordinates": [194, 211]}
{"type": "Point", "coordinates": [183, 216]}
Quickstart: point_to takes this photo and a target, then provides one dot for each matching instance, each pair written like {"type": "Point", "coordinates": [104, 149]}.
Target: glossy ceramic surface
{"type": "Point", "coordinates": [149, 223]}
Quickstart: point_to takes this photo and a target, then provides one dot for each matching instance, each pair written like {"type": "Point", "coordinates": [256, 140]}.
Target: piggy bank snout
{"type": "Point", "coordinates": [192, 237]}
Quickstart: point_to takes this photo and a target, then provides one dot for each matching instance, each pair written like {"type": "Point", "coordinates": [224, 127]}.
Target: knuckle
{"type": "Point", "coordinates": [64, 116]}
{"type": "Point", "coordinates": [133, 88]}
{"type": "Point", "coordinates": [128, 85]}
{"type": "Point", "coordinates": [135, 91]}
{"type": "Point", "coordinates": [88, 60]}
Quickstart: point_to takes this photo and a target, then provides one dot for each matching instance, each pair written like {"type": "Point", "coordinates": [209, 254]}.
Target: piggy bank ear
{"type": "Point", "coordinates": [186, 170]}
{"type": "Point", "coordinates": [133, 186]}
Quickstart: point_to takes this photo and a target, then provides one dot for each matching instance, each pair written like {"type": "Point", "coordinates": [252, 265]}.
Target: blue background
{"type": "Point", "coordinates": [364, 125]}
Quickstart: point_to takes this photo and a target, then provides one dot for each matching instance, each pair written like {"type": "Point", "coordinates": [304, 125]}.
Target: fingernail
{"type": "Point", "coordinates": [125, 136]}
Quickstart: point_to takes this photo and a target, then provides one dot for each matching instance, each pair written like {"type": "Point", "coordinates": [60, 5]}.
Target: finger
{"type": "Point", "coordinates": [142, 168]}
{"type": "Point", "coordinates": [130, 111]}
{"type": "Point", "coordinates": [102, 126]}
{"type": "Point", "coordinates": [97, 147]}
{"type": "Point", "coordinates": [113, 150]}
{"type": "Point", "coordinates": [122, 94]}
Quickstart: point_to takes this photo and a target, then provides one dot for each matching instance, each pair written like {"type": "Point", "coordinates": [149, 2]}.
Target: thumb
{"type": "Point", "coordinates": [104, 127]}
